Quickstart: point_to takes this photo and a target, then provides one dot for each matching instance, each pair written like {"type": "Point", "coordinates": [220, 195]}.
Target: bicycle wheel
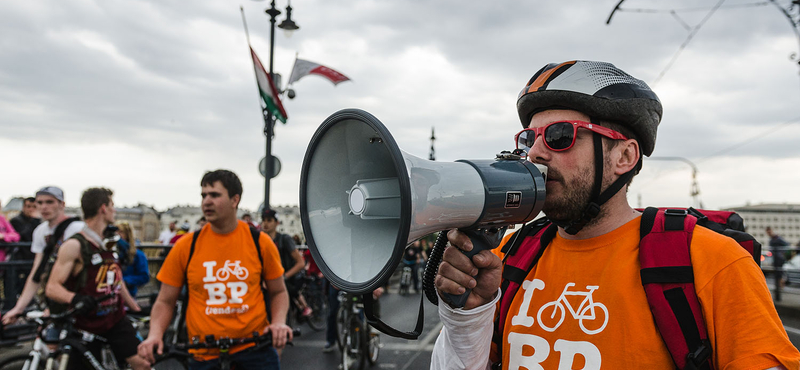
{"type": "Point", "coordinates": [551, 323]}
{"type": "Point", "coordinates": [16, 362]}
{"type": "Point", "coordinates": [374, 347]}
{"type": "Point", "coordinates": [353, 354]}
{"type": "Point", "coordinates": [319, 314]}
{"type": "Point", "coordinates": [169, 363]}
{"type": "Point", "coordinates": [341, 327]}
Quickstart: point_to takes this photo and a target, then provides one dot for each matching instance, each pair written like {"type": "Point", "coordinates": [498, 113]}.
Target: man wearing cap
{"type": "Point", "coordinates": [582, 303]}
{"type": "Point", "coordinates": [50, 201]}
{"type": "Point", "coordinates": [180, 233]}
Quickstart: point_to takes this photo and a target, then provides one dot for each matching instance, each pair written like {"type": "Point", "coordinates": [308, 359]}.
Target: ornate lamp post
{"type": "Point", "coordinates": [288, 26]}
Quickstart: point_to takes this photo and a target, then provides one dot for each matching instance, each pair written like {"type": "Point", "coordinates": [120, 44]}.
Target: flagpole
{"type": "Point", "coordinates": [291, 74]}
{"type": "Point", "coordinates": [244, 22]}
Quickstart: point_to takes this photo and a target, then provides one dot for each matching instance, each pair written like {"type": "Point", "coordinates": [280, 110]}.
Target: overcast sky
{"type": "Point", "coordinates": [143, 97]}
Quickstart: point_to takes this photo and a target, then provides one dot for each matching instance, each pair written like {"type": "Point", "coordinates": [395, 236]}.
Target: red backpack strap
{"type": "Point", "coordinates": [668, 280]}
{"type": "Point", "coordinates": [521, 254]}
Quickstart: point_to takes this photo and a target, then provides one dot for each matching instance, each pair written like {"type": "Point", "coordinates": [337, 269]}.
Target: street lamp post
{"type": "Point", "coordinates": [287, 25]}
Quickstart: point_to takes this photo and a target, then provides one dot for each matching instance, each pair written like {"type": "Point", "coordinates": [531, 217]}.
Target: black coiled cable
{"type": "Point", "coordinates": [432, 267]}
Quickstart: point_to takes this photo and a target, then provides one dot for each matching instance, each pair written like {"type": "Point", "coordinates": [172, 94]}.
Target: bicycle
{"type": "Point", "coordinates": [59, 329]}
{"type": "Point", "coordinates": [585, 311]}
{"type": "Point", "coordinates": [405, 280]}
{"type": "Point", "coordinates": [43, 336]}
{"type": "Point", "coordinates": [356, 341]}
{"type": "Point", "coordinates": [178, 355]}
{"type": "Point", "coordinates": [232, 268]}
{"type": "Point", "coordinates": [312, 289]}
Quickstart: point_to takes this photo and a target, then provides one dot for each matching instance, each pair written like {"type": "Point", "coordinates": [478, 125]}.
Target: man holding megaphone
{"type": "Point", "coordinates": [581, 303]}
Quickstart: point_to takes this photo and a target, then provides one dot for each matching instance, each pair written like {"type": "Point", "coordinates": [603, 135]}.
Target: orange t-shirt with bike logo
{"type": "Point", "coordinates": [225, 273]}
{"type": "Point", "coordinates": [583, 307]}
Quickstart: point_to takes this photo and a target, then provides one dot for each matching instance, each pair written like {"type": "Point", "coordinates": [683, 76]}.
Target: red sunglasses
{"type": "Point", "coordinates": [560, 136]}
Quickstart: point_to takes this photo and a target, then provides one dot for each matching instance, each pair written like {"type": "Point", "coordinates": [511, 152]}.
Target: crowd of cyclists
{"type": "Point", "coordinates": [85, 276]}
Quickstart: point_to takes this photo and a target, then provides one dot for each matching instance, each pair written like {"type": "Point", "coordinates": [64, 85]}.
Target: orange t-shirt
{"type": "Point", "coordinates": [583, 307]}
{"type": "Point", "coordinates": [224, 275]}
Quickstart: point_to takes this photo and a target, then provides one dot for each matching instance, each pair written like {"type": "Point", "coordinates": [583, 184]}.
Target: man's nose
{"type": "Point", "coordinates": [539, 152]}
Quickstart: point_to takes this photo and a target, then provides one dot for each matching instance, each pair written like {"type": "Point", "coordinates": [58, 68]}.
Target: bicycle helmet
{"type": "Point", "coordinates": [604, 93]}
{"type": "Point", "coordinates": [598, 89]}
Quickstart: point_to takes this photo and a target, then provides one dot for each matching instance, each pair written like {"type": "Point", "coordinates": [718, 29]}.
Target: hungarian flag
{"type": "Point", "coordinates": [267, 89]}
{"type": "Point", "coordinates": [304, 68]}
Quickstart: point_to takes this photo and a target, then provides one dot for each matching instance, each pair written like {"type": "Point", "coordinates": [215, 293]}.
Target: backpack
{"type": "Point", "coordinates": [86, 256]}
{"type": "Point", "coordinates": [666, 272]}
{"type": "Point", "coordinates": [183, 335]}
{"type": "Point", "coordinates": [42, 272]}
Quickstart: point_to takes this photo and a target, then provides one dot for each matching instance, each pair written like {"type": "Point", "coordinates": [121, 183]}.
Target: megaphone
{"type": "Point", "coordinates": [363, 200]}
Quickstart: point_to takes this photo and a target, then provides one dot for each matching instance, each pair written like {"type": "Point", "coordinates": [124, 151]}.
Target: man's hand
{"type": "Point", "coordinates": [377, 293]}
{"type": "Point", "coordinates": [11, 316]}
{"type": "Point", "coordinates": [147, 347]}
{"type": "Point", "coordinates": [83, 303]}
{"type": "Point", "coordinates": [281, 334]}
{"type": "Point", "coordinates": [457, 272]}
{"type": "Point", "coordinates": [135, 307]}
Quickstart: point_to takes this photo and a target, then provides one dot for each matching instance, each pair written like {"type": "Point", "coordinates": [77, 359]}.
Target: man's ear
{"type": "Point", "coordinates": [626, 156]}
{"type": "Point", "coordinates": [236, 198]}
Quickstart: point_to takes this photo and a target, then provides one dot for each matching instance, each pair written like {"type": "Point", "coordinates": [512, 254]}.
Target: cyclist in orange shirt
{"type": "Point", "coordinates": [223, 275]}
{"type": "Point", "coordinates": [582, 305]}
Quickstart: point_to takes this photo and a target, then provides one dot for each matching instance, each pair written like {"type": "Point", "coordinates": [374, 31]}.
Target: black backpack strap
{"type": "Point", "coordinates": [58, 233]}
{"type": "Point", "coordinates": [256, 234]}
{"type": "Point", "coordinates": [185, 297]}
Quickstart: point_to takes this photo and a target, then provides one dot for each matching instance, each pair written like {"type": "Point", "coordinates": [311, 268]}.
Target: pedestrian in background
{"type": "Point", "coordinates": [7, 234]}
{"type": "Point", "coordinates": [26, 221]}
{"type": "Point", "coordinates": [135, 271]}
{"type": "Point", "coordinates": [778, 247]}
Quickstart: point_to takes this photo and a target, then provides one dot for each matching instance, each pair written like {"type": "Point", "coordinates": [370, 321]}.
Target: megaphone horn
{"type": "Point", "coordinates": [363, 200]}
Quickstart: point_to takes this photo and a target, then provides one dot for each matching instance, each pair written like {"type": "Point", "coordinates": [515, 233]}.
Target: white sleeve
{"type": "Point", "coordinates": [466, 337]}
{"type": "Point", "coordinates": [73, 228]}
{"type": "Point", "coordinates": [37, 243]}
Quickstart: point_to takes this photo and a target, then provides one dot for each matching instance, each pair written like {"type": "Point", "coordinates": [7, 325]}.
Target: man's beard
{"type": "Point", "coordinates": [574, 198]}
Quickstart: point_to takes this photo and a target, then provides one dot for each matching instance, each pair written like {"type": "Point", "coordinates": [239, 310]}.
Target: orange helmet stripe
{"type": "Point", "coordinates": [545, 77]}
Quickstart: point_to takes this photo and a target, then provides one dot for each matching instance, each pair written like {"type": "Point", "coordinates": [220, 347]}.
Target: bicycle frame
{"type": "Point", "coordinates": [587, 300]}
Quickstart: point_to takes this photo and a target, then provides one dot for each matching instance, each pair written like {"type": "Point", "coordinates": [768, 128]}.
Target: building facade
{"type": "Point", "coordinates": [784, 219]}
{"type": "Point", "coordinates": [290, 224]}
{"type": "Point", "coordinates": [143, 220]}
{"type": "Point", "coordinates": [191, 215]}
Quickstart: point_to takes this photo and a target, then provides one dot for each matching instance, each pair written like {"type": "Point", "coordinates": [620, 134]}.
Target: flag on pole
{"type": "Point", "coordinates": [267, 89]}
{"type": "Point", "coordinates": [304, 68]}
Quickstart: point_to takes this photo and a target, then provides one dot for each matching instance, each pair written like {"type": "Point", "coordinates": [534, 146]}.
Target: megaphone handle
{"type": "Point", "coordinates": [480, 241]}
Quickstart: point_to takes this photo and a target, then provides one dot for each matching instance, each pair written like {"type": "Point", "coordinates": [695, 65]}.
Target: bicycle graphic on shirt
{"type": "Point", "coordinates": [586, 313]}
{"type": "Point", "coordinates": [232, 268]}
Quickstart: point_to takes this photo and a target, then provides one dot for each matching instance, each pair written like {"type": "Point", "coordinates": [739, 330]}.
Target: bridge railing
{"type": "Point", "coordinates": [13, 272]}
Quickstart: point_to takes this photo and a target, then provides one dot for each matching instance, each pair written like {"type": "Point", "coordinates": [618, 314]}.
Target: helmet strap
{"type": "Point", "coordinates": [598, 199]}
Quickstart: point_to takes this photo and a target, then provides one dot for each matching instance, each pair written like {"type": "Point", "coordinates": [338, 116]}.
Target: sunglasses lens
{"type": "Point", "coordinates": [525, 140]}
{"type": "Point", "coordinates": [559, 136]}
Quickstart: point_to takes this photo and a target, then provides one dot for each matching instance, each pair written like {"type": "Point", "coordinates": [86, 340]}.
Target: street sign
{"type": "Point", "coordinates": [276, 166]}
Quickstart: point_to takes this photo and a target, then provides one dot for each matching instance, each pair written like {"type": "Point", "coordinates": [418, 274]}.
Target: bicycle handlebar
{"type": "Point", "coordinates": [70, 312]}
{"type": "Point", "coordinates": [211, 342]}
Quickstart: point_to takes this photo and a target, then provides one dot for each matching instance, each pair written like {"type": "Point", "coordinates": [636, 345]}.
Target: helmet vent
{"type": "Point", "coordinates": [605, 74]}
